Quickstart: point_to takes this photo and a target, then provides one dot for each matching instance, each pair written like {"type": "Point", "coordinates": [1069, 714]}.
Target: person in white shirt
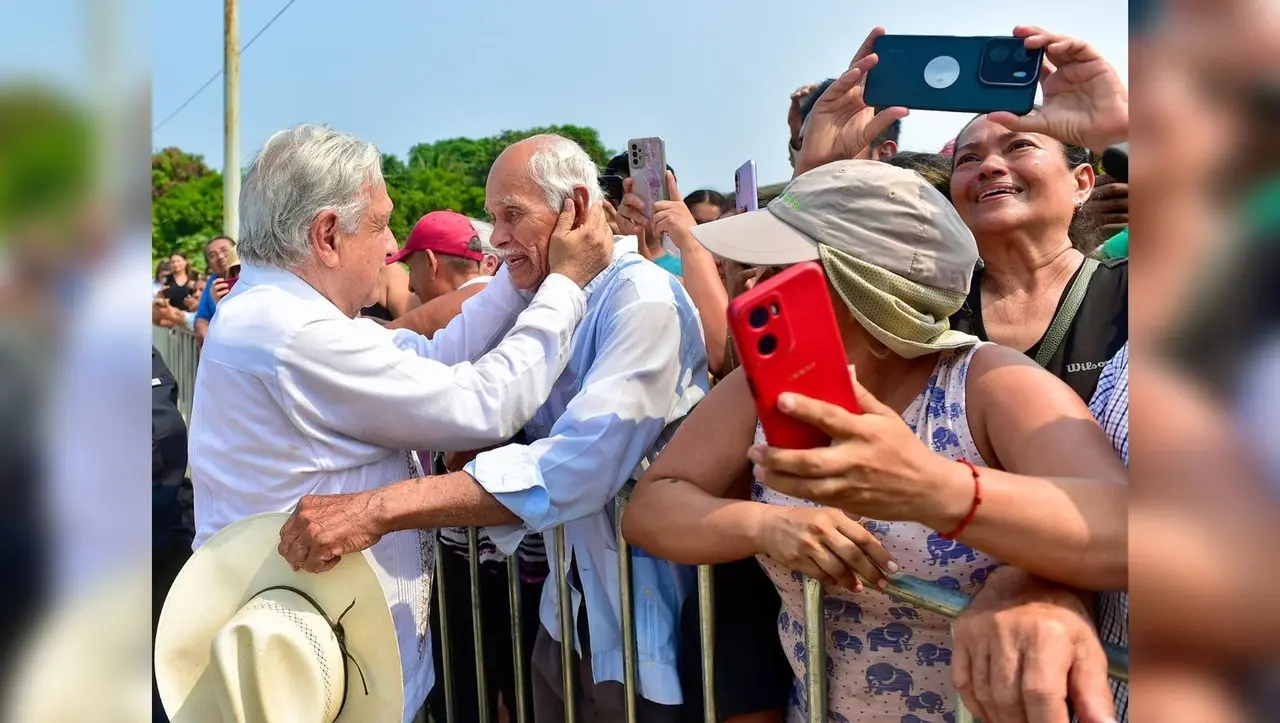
{"type": "Point", "coordinates": [639, 365]}
{"type": "Point", "coordinates": [296, 396]}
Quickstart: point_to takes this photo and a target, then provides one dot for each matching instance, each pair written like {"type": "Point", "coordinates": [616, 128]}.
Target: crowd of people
{"type": "Point", "coordinates": [513, 376]}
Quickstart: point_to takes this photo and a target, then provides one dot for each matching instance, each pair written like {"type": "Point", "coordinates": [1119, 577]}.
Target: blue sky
{"type": "Point", "coordinates": [400, 72]}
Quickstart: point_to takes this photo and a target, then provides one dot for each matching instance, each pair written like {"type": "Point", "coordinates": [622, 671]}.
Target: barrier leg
{"type": "Point", "coordinates": [707, 638]}
{"type": "Point", "coordinates": [815, 665]}
{"type": "Point", "coordinates": [445, 655]}
{"type": "Point", "coordinates": [566, 628]}
{"type": "Point", "coordinates": [477, 628]}
{"type": "Point", "coordinates": [519, 707]}
{"type": "Point", "coordinates": [629, 682]}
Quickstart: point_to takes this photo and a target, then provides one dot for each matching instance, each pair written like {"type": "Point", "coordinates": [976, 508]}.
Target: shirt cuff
{"type": "Point", "coordinates": [511, 474]}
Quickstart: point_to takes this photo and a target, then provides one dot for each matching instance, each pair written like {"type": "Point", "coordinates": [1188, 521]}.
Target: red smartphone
{"type": "Point", "coordinates": [787, 340]}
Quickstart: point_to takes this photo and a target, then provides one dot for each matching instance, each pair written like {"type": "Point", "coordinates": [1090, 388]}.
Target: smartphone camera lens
{"type": "Point", "coordinates": [767, 345]}
{"type": "Point", "coordinates": [1007, 62]}
{"type": "Point", "coordinates": [758, 318]}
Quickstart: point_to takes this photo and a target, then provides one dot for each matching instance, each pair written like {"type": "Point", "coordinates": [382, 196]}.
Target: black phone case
{"type": "Point", "coordinates": [899, 77]}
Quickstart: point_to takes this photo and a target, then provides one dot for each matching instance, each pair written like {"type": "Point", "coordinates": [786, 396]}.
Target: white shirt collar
{"type": "Point", "coordinates": [476, 280]}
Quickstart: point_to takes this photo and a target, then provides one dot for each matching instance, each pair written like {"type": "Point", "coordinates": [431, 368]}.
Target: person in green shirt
{"type": "Point", "coordinates": [1117, 247]}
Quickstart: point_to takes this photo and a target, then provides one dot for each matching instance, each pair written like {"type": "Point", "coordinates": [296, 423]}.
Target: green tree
{"type": "Point", "coordinates": [186, 217]}
{"type": "Point", "coordinates": [173, 166]}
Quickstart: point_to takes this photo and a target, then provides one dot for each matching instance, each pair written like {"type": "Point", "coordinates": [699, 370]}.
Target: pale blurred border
{"type": "Point", "coordinates": [74, 364]}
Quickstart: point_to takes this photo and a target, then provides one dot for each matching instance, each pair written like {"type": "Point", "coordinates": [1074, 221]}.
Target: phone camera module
{"type": "Point", "coordinates": [1007, 62]}
{"type": "Point", "coordinates": [767, 345]}
{"type": "Point", "coordinates": [758, 317]}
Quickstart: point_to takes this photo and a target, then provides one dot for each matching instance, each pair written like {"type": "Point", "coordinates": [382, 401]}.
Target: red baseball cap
{"type": "Point", "coordinates": [444, 232]}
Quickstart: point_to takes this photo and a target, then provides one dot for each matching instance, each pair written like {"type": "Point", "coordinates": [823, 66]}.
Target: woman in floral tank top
{"type": "Point", "coordinates": [897, 491]}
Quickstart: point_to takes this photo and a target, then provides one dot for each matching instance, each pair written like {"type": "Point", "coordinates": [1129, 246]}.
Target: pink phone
{"type": "Point", "coordinates": [746, 190]}
{"type": "Point", "coordinates": [787, 339]}
{"type": "Point", "coordinates": [647, 160]}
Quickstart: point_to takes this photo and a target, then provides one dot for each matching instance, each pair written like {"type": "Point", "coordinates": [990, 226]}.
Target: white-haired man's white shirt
{"type": "Point", "coordinates": [292, 398]}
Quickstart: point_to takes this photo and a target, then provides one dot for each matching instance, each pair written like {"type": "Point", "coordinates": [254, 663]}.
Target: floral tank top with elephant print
{"type": "Point", "coordinates": [888, 662]}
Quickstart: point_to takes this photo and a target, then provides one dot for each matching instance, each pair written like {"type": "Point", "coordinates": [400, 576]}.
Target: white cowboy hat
{"type": "Point", "coordinates": [244, 638]}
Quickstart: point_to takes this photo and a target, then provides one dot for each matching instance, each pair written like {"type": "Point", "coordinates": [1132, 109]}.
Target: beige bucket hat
{"type": "Point", "coordinates": [892, 246]}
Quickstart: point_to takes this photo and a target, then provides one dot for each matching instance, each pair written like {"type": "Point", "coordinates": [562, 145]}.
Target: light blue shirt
{"type": "Point", "coordinates": [638, 365]}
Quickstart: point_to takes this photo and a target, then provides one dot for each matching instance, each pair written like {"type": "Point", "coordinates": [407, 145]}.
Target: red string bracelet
{"type": "Point", "coordinates": [977, 500]}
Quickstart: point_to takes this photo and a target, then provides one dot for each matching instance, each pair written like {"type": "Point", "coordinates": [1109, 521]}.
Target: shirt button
{"type": "Point", "coordinates": [648, 592]}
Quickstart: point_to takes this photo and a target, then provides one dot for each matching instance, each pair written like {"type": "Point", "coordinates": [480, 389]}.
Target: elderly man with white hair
{"type": "Point", "coordinates": [296, 396]}
{"type": "Point", "coordinates": [639, 365]}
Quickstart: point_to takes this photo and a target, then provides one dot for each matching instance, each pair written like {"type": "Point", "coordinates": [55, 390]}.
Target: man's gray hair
{"type": "Point", "coordinates": [557, 165]}
{"type": "Point", "coordinates": [299, 173]}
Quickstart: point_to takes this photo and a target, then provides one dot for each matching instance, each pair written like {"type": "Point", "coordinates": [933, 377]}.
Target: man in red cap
{"type": "Point", "coordinates": [444, 253]}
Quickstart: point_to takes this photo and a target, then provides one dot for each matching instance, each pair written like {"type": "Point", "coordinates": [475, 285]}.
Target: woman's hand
{"type": "Point", "coordinates": [841, 125]}
{"type": "Point", "coordinates": [673, 218]}
{"type": "Point", "coordinates": [875, 466]}
{"type": "Point", "coordinates": [1026, 646]}
{"type": "Point", "coordinates": [632, 210]}
{"type": "Point", "coordinates": [1085, 102]}
{"type": "Point", "coordinates": [618, 223]}
{"type": "Point", "coordinates": [825, 544]}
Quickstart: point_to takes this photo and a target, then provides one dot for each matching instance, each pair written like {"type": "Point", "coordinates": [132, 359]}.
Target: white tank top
{"type": "Point", "coordinates": [888, 662]}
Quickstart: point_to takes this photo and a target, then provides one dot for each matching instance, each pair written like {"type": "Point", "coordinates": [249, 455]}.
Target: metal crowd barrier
{"type": "Point", "coordinates": [181, 353]}
{"type": "Point", "coordinates": [903, 588]}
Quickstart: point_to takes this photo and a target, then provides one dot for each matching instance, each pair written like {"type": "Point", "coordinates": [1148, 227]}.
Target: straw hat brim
{"type": "Point", "coordinates": [236, 563]}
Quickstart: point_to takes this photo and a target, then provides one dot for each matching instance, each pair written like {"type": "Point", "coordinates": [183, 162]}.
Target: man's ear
{"type": "Point", "coordinates": [581, 203]}
{"type": "Point", "coordinates": [885, 151]}
{"type": "Point", "coordinates": [324, 238]}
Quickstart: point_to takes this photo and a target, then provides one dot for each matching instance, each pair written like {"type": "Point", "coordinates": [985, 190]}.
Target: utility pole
{"type": "Point", "coordinates": [231, 124]}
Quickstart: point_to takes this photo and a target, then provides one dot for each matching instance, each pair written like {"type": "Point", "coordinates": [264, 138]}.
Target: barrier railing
{"type": "Point", "coordinates": [181, 353]}
{"type": "Point", "coordinates": [903, 588]}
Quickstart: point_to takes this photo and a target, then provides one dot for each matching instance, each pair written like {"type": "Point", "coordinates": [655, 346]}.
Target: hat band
{"type": "Point", "coordinates": [338, 632]}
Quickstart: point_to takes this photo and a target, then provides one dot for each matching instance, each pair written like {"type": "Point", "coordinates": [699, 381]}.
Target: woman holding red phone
{"type": "Point", "coordinates": [968, 454]}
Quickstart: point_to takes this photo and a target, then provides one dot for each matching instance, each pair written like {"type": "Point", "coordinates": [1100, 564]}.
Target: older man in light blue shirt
{"type": "Point", "coordinates": [638, 365]}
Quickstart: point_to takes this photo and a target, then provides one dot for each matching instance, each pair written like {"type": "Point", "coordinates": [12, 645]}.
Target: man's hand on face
{"type": "Point", "coordinates": [583, 252]}
{"type": "Point", "coordinates": [323, 528]}
{"type": "Point", "coordinates": [1023, 647]}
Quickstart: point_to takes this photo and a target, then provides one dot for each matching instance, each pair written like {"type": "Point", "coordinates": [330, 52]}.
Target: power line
{"type": "Point", "coordinates": [218, 74]}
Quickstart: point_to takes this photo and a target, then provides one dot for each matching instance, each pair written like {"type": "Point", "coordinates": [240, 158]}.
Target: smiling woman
{"type": "Point", "coordinates": [1023, 195]}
